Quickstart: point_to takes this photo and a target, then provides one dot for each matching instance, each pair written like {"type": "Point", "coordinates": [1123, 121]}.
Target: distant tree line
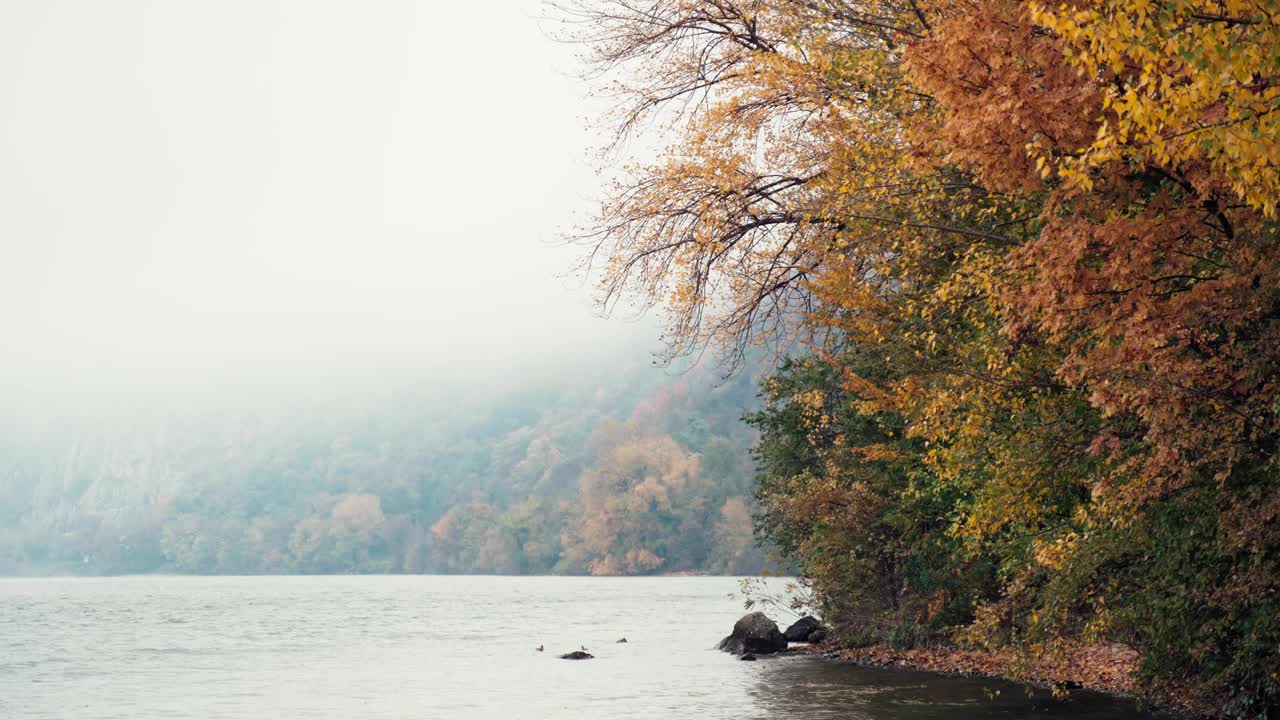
{"type": "Point", "coordinates": [638, 473]}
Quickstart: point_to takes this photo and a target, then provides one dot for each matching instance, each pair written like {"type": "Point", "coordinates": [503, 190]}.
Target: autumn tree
{"type": "Point", "coordinates": [1154, 274]}
{"type": "Point", "coordinates": [640, 497]}
{"type": "Point", "coordinates": [1032, 257]}
{"type": "Point", "coordinates": [473, 539]}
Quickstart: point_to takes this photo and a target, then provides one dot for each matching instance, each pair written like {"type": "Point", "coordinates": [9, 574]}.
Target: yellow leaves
{"type": "Point", "coordinates": [791, 161]}
{"type": "Point", "coordinates": [1009, 233]}
{"type": "Point", "coordinates": [881, 453]}
{"type": "Point", "coordinates": [1188, 84]}
{"type": "Point", "coordinates": [1054, 554]}
{"type": "Point", "coordinates": [812, 401]}
{"type": "Point", "coordinates": [817, 420]}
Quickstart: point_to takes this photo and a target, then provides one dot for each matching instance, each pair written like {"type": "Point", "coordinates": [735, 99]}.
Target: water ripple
{"type": "Point", "coordinates": [343, 647]}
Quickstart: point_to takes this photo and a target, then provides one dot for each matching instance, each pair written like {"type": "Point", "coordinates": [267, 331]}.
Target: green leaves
{"type": "Point", "coordinates": [1032, 257]}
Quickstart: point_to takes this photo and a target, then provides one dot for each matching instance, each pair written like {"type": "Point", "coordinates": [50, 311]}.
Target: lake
{"type": "Point", "coordinates": [373, 647]}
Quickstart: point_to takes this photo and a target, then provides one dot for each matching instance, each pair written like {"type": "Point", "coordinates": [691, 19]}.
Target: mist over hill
{"type": "Point", "coordinates": [623, 470]}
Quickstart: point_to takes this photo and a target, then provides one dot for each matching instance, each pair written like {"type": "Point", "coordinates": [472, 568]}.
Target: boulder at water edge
{"type": "Point", "coordinates": [756, 634]}
{"type": "Point", "coordinates": [577, 655]}
{"type": "Point", "coordinates": [802, 629]}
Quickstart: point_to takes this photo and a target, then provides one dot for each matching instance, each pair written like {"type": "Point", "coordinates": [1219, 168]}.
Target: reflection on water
{"type": "Point", "coordinates": [812, 688]}
{"type": "Point", "coordinates": [334, 648]}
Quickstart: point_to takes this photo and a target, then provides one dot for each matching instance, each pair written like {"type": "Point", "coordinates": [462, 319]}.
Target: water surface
{"type": "Point", "coordinates": [345, 647]}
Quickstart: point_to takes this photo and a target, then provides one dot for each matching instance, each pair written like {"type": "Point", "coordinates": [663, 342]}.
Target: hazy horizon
{"type": "Point", "coordinates": [287, 293]}
{"type": "Point", "coordinates": [256, 196]}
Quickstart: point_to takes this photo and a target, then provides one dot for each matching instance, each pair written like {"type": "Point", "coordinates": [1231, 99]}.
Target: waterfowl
{"type": "Point", "coordinates": [539, 648]}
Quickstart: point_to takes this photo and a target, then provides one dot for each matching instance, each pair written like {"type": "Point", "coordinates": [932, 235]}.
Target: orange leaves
{"type": "Point", "coordinates": [1160, 308]}
{"type": "Point", "coordinates": [1002, 87]}
{"type": "Point", "coordinates": [1033, 252]}
{"type": "Point", "coordinates": [636, 484]}
{"type": "Point", "coordinates": [1104, 666]}
{"type": "Point", "coordinates": [1144, 274]}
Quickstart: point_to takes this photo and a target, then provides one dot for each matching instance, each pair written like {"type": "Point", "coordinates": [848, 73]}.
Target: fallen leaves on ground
{"type": "Point", "coordinates": [1107, 667]}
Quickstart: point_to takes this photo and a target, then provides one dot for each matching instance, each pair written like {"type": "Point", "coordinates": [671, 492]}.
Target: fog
{"type": "Point", "coordinates": [270, 263]}
{"type": "Point", "coordinates": [264, 194]}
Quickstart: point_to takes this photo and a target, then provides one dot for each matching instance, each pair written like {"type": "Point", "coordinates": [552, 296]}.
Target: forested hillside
{"type": "Point", "coordinates": [622, 472]}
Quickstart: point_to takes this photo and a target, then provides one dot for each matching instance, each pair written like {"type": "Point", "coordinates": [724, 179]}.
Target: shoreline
{"type": "Point", "coordinates": [1108, 668]}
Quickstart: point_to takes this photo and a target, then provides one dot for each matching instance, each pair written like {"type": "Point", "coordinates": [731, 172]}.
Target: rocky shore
{"type": "Point", "coordinates": [1109, 667]}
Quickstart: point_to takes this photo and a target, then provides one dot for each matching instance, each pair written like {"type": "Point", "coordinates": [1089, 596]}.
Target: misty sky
{"type": "Point", "coordinates": [192, 191]}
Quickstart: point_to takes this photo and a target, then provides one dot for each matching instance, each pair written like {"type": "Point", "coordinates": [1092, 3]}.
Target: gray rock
{"type": "Point", "coordinates": [802, 628]}
{"type": "Point", "coordinates": [748, 656]}
{"type": "Point", "coordinates": [754, 634]}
